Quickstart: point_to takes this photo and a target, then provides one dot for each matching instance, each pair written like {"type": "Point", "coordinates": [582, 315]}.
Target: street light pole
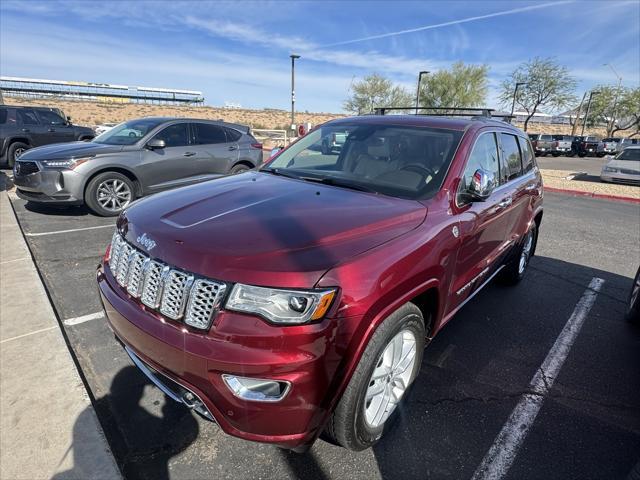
{"type": "Point", "coordinates": [586, 115]}
{"type": "Point", "coordinates": [293, 86]}
{"type": "Point", "coordinates": [418, 89]}
{"type": "Point", "coordinates": [513, 104]}
{"type": "Point", "coordinates": [615, 100]}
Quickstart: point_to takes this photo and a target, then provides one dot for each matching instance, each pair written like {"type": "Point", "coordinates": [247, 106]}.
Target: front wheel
{"type": "Point", "coordinates": [388, 367]}
{"type": "Point", "coordinates": [108, 193]}
{"type": "Point", "coordinates": [15, 150]}
{"type": "Point", "coordinates": [240, 168]}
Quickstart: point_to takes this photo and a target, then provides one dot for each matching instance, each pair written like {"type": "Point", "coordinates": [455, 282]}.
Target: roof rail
{"type": "Point", "coordinates": [442, 111]}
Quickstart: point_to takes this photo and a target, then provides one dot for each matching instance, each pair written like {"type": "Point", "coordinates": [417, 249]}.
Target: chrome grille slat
{"type": "Point", "coordinates": [136, 269]}
{"type": "Point", "coordinates": [152, 287]}
{"type": "Point", "coordinates": [123, 265]}
{"type": "Point", "coordinates": [204, 300]}
{"type": "Point", "coordinates": [176, 294]}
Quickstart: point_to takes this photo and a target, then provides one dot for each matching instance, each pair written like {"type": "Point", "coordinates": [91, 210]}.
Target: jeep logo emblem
{"type": "Point", "coordinates": [146, 242]}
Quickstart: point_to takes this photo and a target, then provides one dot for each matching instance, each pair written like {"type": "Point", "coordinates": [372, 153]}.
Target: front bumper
{"type": "Point", "coordinates": [50, 186]}
{"type": "Point", "coordinates": [627, 178]}
{"type": "Point", "coordinates": [306, 356]}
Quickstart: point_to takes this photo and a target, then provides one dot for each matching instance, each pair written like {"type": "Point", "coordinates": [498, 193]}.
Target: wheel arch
{"type": "Point", "coordinates": [126, 172]}
{"type": "Point", "coordinates": [245, 162]}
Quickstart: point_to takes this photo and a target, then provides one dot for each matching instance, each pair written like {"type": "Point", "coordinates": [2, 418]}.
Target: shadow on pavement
{"type": "Point", "coordinates": [6, 183]}
{"type": "Point", "coordinates": [148, 441]}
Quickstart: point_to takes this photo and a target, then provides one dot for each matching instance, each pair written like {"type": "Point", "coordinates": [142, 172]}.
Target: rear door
{"type": "Point", "coordinates": [171, 166]}
{"type": "Point", "coordinates": [57, 129]}
{"type": "Point", "coordinates": [216, 149]}
{"type": "Point", "coordinates": [483, 225]}
{"type": "Point", "coordinates": [516, 189]}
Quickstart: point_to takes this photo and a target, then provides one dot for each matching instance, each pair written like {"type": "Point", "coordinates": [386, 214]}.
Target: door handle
{"type": "Point", "coordinates": [505, 202]}
{"type": "Point", "coordinates": [189, 154]}
{"type": "Point", "coordinates": [233, 147]}
{"type": "Point", "coordinates": [26, 130]}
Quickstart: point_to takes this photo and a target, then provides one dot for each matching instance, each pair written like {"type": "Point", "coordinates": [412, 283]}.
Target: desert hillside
{"type": "Point", "coordinates": [96, 113]}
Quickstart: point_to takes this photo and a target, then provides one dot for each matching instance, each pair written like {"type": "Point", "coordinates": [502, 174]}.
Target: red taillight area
{"type": "Point", "coordinates": [256, 145]}
{"type": "Point", "coordinates": [107, 254]}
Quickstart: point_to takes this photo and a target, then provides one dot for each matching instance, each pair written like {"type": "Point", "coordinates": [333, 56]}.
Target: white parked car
{"type": "Point", "coordinates": [105, 127]}
{"type": "Point", "coordinates": [623, 168]}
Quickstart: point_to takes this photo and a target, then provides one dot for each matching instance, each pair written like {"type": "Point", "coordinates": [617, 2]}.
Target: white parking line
{"type": "Point", "coordinates": [28, 334]}
{"type": "Point", "coordinates": [83, 318]}
{"type": "Point", "coordinates": [68, 231]}
{"type": "Point", "coordinates": [15, 260]}
{"type": "Point", "coordinates": [502, 453]}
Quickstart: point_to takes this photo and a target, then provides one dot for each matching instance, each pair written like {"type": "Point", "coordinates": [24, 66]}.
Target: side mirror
{"type": "Point", "coordinates": [69, 121]}
{"type": "Point", "coordinates": [155, 144]}
{"type": "Point", "coordinates": [481, 186]}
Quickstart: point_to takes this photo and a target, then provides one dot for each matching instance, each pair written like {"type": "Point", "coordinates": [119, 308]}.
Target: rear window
{"type": "Point", "coordinates": [562, 138]}
{"type": "Point", "coordinates": [511, 154]}
{"type": "Point", "coordinates": [27, 117]}
{"type": "Point", "coordinates": [208, 134]}
{"type": "Point", "coordinates": [233, 135]}
{"type": "Point", "coordinates": [546, 137]}
{"type": "Point", "coordinates": [8, 116]}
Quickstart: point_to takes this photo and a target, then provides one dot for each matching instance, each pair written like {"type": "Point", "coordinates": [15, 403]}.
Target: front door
{"type": "Point", "coordinates": [171, 166]}
{"type": "Point", "coordinates": [482, 225]}
{"type": "Point", "coordinates": [57, 129]}
{"type": "Point", "coordinates": [30, 126]}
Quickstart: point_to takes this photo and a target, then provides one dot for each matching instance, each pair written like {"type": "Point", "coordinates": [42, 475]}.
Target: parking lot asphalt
{"type": "Point", "coordinates": [589, 165]}
{"type": "Point", "coordinates": [473, 374]}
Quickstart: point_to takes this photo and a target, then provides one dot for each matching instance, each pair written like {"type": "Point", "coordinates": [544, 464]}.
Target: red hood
{"type": "Point", "coordinates": [266, 230]}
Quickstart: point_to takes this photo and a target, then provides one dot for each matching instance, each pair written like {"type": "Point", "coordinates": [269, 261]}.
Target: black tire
{"type": "Point", "coordinates": [633, 302]}
{"type": "Point", "coordinates": [555, 154]}
{"type": "Point", "coordinates": [582, 155]}
{"type": "Point", "coordinates": [239, 168]}
{"type": "Point", "coordinates": [513, 273]}
{"type": "Point", "coordinates": [14, 151]}
{"type": "Point", "coordinates": [91, 193]}
{"type": "Point", "coordinates": [347, 425]}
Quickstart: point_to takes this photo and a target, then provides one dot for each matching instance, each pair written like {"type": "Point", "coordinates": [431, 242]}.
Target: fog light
{"type": "Point", "coordinates": [257, 389]}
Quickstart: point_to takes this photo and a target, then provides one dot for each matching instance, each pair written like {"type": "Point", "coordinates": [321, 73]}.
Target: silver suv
{"type": "Point", "coordinates": [134, 159]}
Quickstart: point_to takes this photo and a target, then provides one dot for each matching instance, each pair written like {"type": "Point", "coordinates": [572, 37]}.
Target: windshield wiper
{"type": "Point", "coordinates": [280, 172]}
{"type": "Point", "coordinates": [336, 182]}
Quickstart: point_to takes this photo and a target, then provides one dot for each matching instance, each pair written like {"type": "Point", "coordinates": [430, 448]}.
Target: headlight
{"type": "Point", "coordinates": [290, 307]}
{"type": "Point", "coordinates": [68, 163]}
{"type": "Point", "coordinates": [610, 170]}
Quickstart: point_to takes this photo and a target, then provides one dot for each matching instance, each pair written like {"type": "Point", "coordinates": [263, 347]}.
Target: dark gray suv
{"type": "Point", "coordinates": [134, 159]}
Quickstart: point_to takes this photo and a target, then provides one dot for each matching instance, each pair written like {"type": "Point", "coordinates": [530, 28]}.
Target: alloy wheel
{"type": "Point", "coordinates": [113, 195]}
{"type": "Point", "coordinates": [390, 378]}
{"type": "Point", "coordinates": [525, 254]}
{"type": "Point", "coordinates": [18, 152]}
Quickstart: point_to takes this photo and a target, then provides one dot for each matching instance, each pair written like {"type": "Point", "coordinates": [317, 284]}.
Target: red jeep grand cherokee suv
{"type": "Point", "coordinates": [298, 298]}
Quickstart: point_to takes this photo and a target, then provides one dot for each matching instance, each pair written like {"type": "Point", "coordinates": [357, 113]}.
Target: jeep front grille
{"type": "Point", "coordinates": [174, 293]}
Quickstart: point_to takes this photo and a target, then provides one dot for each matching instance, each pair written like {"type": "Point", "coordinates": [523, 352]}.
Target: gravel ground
{"type": "Point", "coordinates": [587, 183]}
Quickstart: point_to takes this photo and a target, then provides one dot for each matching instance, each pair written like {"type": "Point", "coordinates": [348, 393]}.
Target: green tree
{"type": "Point", "coordinates": [461, 86]}
{"type": "Point", "coordinates": [548, 85]}
{"type": "Point", "coordinates": [619, 109]}
{"type": "Point", "coordinates": [375, 91]}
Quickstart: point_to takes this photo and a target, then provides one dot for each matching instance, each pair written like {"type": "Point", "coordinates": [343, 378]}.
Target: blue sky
{"type": "Point", "coordinates": [238, 51]}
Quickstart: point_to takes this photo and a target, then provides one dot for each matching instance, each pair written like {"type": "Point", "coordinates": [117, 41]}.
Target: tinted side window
{"type": "Point", "coordinates": [233, 135]}
{"type": "Point", "coordinates": [483, 156]}
{"type": "Point", "coordinates": [511, 154]}
{"type": "Point", "coordinates": [175, 135]}
{"type": "Point", "coordinates": [207, 134]}
{"type": "Point", "coordinates": [3, 116]}
{"type": "Point", "coordinates": [27, 117]}
{"type": "Point", "coordinates": [527, 155]}
{"type": "Point", "coordinates": [50, 118]}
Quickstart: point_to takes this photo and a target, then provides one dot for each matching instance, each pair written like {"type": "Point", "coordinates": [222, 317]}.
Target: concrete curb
{"type": "Point", "coordinates": [48, 427]}
{"type": "Point", "coordinates": [604, 196]}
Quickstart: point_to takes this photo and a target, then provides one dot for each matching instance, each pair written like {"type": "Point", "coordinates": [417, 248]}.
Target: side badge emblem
{"type": "Point", "coordinates": [455, 231]}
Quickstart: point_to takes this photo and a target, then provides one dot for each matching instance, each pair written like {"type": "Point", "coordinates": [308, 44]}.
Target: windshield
{"type": "Point", "coordinates": [128, 133]}
{"type": "Point", "coordinates": [629, 154]}
{"type": "Point", "coordinates": [545, 137]}
{"type": "Point", "coordinates": [401, 161]}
